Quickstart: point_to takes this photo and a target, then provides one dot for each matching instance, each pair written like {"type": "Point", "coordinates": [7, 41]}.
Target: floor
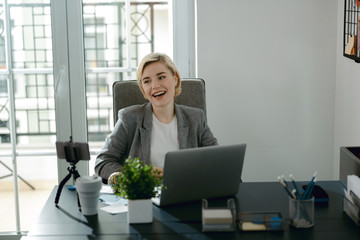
{"type": "Point", "coordinates": [31, 203]}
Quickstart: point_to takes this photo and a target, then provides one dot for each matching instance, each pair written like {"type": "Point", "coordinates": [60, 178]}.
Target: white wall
{"type": "Point", "coordinates": [347, 107]}
{"type": "Point", "coordinates": [270, 70]}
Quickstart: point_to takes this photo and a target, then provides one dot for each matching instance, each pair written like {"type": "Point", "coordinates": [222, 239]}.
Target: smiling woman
{"type": "Point", "coordinates": [150, 130]}
{"type": "Point", "coordinates": [158, 79]}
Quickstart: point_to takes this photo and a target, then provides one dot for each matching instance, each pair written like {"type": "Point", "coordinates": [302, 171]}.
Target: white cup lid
{"type": "Point", "coordinates": [88, 179]}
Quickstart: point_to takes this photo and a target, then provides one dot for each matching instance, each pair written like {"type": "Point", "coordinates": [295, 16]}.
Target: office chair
{"type": "Point", "coordinates": [127, 93]}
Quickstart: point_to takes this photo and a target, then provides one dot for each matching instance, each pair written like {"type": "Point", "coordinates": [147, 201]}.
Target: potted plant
{"type": "Point", "coordinates": [138, 183]}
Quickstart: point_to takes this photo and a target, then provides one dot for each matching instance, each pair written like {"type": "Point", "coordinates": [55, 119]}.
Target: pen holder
{"type": "Point", "coordinates": [218, 218]}
{"type": "Point", "coordinates": [301, 212]}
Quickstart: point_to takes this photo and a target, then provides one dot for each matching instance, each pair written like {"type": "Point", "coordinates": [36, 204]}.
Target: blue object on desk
{"type": "Point", "coordinates": [276, 223]}
{"type": "Point", "coordinates": [71, 187]}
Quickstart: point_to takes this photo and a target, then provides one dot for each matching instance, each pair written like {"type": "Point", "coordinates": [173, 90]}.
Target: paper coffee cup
{"type": "Point", "coordinates": [88, 188]}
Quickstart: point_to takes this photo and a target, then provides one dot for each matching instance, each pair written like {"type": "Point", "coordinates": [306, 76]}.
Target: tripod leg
{"type": "Point", "coordinates": [78, 201]}
{"type": "Point", "coordinates": [62, 183]}
{"type": "Point", "coordinates": [77, 175]}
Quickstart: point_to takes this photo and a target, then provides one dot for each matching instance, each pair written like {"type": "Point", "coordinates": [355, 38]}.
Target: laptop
{"type": "Point", "coordinates": [197, 173]}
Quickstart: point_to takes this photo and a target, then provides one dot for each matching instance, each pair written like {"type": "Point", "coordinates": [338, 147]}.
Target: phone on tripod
{"type": "Point", "coordinates": [72, 152]}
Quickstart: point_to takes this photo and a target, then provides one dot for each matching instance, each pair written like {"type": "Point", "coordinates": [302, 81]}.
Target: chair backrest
{"type": "Point", "coordinates": [127, 93]}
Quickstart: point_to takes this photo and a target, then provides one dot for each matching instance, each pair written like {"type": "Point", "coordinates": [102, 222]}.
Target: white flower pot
{"type": "Point", "coordinates": [140, 211]}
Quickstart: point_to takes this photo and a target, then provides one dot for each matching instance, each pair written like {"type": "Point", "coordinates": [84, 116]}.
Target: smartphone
{"type": "Point", "coordinates": [72, 151]}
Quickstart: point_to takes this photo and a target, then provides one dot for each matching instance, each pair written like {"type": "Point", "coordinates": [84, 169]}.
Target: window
{"type": "Point", "coordinates": [115, 41]}
{"type": "Point", "coordinates": [26, 63]}
{"type": "Point", "coordinates": [115, 36]}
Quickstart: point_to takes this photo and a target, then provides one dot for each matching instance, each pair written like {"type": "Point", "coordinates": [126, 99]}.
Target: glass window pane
{"type": "Point", "coordinates": [105, 43]}
{"type": "Point", "coordinates": [2, 38]}
{"type": "Point", "coordinates": [4, 112]}
{"type": "Point", "coordinates": [35, 128]}
{"type": "Point", "coordinates": [31, 35]}
{"type": "Point", "coordinates": [35, 107]}
{"type": "Point", "coordinates": [102, 28]}
{"type": "Point", "coordinates": [39, 172]}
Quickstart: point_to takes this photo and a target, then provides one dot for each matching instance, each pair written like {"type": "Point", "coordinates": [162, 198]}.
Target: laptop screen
{"type": "Point", "coordinates": [207, 172]}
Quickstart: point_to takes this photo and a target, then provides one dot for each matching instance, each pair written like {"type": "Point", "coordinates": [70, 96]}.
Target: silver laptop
{"type": "Point", "coordinates": [196, 173]}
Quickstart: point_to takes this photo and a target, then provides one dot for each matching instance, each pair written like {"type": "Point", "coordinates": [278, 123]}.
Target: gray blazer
{"type": "Point", "coordinates": [132, 134]}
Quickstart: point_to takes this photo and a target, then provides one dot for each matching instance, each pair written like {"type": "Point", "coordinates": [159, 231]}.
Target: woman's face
{"type": "Point", "coordinates": [159, 84]}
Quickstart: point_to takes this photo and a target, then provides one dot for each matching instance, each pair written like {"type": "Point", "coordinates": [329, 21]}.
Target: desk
{"type": "Point", "coordinates": [184, 221]}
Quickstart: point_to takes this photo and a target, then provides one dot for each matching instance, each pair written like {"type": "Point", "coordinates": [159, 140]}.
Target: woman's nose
{"type": "Point", "coordinates": [155, 84]}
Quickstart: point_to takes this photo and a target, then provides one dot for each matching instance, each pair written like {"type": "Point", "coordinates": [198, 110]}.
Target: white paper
{"type": "Point", "coordinates": [353, 184]}
{"type": "Point", "coordinates": [115, 208]}
{"type": "Point", "coordinates": [106, 189]}
{"type": "Point", "coordinates": [347, 195]}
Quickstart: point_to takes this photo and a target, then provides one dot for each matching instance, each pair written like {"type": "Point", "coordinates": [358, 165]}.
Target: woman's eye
{"type": "Point", "coordinates": [161, 77]}
{"type": "Point", "coordinates": [146, 81]}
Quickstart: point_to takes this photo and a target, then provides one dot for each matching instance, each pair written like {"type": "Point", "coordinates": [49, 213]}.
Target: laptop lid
{"type": "Point", "coordinates": [206, 172]}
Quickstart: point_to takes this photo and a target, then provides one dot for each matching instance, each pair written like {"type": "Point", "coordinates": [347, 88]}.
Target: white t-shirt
{"type": "Point", "coordinates": [164, 138]}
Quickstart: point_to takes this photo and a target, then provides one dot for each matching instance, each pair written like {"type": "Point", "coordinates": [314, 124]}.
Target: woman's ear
{"type": "Point", "coordinates": [176, 79]}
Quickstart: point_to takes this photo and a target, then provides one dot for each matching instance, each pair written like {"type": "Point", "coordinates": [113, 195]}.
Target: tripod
{"type": "Point", "coordinates": [72, 172]}
{"type": "Point", "coordinates": [72, 152]}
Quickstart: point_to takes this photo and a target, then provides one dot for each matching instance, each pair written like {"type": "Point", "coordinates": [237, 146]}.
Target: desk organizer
{"type": "Point", "coordinates": [217, 218]}
{"type": "Point", "coordinates": [260, 221]}
{"type": "Point", "coordinates": [351, 210]}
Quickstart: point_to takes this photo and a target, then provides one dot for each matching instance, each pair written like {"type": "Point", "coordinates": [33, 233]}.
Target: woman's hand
{"type": "Point", "coordinates": [160, 171]}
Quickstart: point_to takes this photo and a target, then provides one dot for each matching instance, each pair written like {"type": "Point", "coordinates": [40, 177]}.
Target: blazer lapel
{"type": "Point", "coordinates": [183, 129]}
{"type": "Point", "coordinates": [145, 134]}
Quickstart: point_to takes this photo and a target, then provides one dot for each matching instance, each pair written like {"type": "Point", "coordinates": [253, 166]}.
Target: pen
{"type": "Point", "coordinates": [293, 193]}
{"type": "Point", "coordinates": [295, 186]}
{"type": "Point", "coordinates": [309, 188]}
{"type": "Point", "coordinates": [285, 187]}
{"type": "Point", "coordinates": [283, 178]}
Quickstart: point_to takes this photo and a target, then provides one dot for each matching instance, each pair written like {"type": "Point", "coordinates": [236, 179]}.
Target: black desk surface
{"type": "Point", "coordinates": [184, 221]}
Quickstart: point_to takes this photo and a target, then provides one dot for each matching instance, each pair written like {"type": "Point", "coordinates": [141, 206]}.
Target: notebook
{"type": "Point", "coordinates": [197, 173]}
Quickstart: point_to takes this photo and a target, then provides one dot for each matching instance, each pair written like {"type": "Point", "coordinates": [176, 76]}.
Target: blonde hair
{"type": "Point", "coordinates": [163, 58]}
